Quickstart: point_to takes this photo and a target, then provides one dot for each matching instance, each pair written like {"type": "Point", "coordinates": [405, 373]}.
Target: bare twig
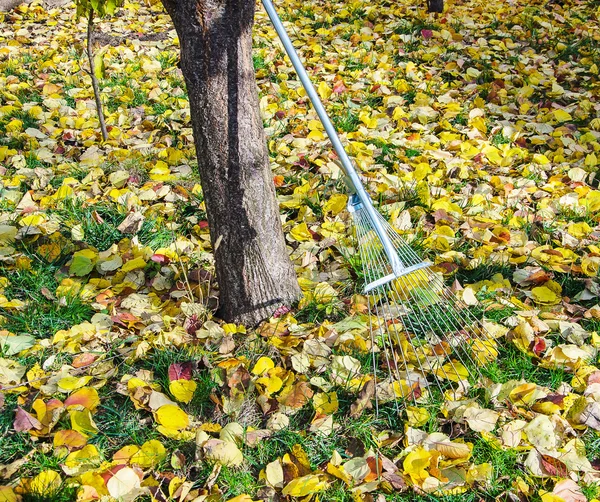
{"type": "Point", "coordinates": [90, 30]}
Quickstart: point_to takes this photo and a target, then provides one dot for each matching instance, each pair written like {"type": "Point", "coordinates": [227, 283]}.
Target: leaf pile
{"type": "Point", "coordinates": [477, 132]}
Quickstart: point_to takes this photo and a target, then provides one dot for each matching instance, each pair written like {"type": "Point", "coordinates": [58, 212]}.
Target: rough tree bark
{"type": "Point", "coordinates": [253, 268]}
{"type": "Point", "coordinates": [435, 5]}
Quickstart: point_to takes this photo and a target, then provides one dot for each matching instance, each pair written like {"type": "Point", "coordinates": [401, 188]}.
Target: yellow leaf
{"type": "Point", "coordinates": [88, 454]}
{"type": "Point", "coordinates": [271, 383]}
{"type": "Point", "coordinates": [543, 295]}
{"type": "Point", "coordinates": [301, 233]}
{"type": "Point", "coordinates": [70, 383]}
{"type": "Point", "coordinates": [335, 204]}
{"type": "Point", "coordinates": [579, 230]}
{"type": "Point", "coordinates": [416, 463]}
{"type": "Point", "coordinates": [161, 172]}
{"type": "Point", "coordinates": [541, 159]}
{"type": "Point", "coordinates": [223, 452]}
{"type": "Point", "coordinates": [172, 417]}
{"type": "Point", "coordinates": [183, 390]}
{"type": "Point", "coordinates": [561, 115]}
{"type": "Point", "coordinates": [417, 417]}
{"type": "Point", "coordinates": [306, 485]}
{"type": "Point", "coordinates": [325, 403]}
{"type": "Point", "coordinates": [453, 371]}
{"type": "Point", "coordinates": [150, 454]}
{"type": "Point", "coordinates": [263, 365]}
{"type": "Point", "coordinates": [7, 494]}
{"type": "Point", "coordinates": [134, 264]}
{"type": "Point", "coordinates": [81, 421]}
{"type": "Point", "coordinates": [324, 91]}
{"type": "Point", "coordinates": [45, 482]}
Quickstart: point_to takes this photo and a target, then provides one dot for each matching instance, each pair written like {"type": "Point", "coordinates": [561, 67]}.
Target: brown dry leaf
{"type": "Point", "coordinates": [296, 395]}
{"type": "Point", "coordinates": [363, 402]}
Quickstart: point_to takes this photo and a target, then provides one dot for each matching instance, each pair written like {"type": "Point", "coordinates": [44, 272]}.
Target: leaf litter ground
{"type": "Point", "coordinates": [478, 133]}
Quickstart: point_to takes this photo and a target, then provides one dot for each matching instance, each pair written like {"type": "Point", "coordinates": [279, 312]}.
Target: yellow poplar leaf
{"type": "Point", "coordinates": [124, 485]}
{"type": "Point", "coordinates": [69, 438]}
{"type": "Point", "coordinates": [7, 494]}
{"type": "Point", "coordinates": [301, 233]}
{"type": "Point", "coordinates": [325, 403]}
{"type": "Point", "coordinates": [83, 262]}
{"type": "Point", "coordinates": [540, 158]}
{"type": "Point", "coordinates": [545, 296]}
{"type": "Point", "coordinates": [151, 454]}
{"type": "Point", "coordinates": [63, 192]}
{"type": "Point", "coordinates": [274, 474]}
{"type": "Point", "coordinates": [453, 450]}
{"type": "Point", "coordinates": [223, 452]}
{"type": "Point", "coordinates": [124, 454]}
{"type": "Point", "coordinates": [561, 115]}
{"type": "Point", "coordinates": [81, 421]}
{"type": "Point", "coordinates": [421, 171]}
{"type": "Point", "coordinates": [263, 365]}
{"type": "Point", "coordinates": [15, 125]}
{"type": "Point", "coordinates": [70, 383]}
{"type": "Point", "coordinates": [134, 264]}
{"type": "Point", "coordinates": [453, 371]}
{"type": "Point", "coordinates": [417, 417]}
{"type": "Point", "coordinates": [32, 220]}
{"type": "Point", "coordinates": [306, 485]}
{"type": "Point", "coordinates": [242, 498]}
{"type": "Point", "coordinates": [493, 154]}
{"type": "Point", "coordinates": [45, 482]}
{"type": "Point", "coordinates": [172, 417]}
{"type": "Point", "coordinates": [335, 204]}
{"type": "Point", "coordinates": [579, 230]}
{"type": "Point", "coordinates": [592, 200]}
{"type": "Point", "coordinates": [323, 90]}
{"type": "Point", "coordinates": [160, 172]}
{"type": "Point", "coordinates": [590, 265]}
{"type": "Point", "coordinates": [416, 463]}
{"type": "Point", "coordinates": [86, 455]}
{"type": "Point", "coordinates": [272, 384]}
{"type": "Point", "coordinates": [316, 135]}
{"type": "Point", "coordinates": [183, 390]}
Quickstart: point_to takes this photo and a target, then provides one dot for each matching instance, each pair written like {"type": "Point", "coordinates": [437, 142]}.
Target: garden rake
{"type": "Point", "coordinates": [424, 333]}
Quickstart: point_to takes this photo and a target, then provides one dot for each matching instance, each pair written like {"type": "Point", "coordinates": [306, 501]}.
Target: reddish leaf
{"type": "Point", "coordinates": [554, 467]}
{"type": "Point", "coordinates": [281, 311]}
{"type": "Point", "coordinates": [298, 396]}
{"type": "Point", "coordinates": [180, 371]}
{"type": "Point", "coordinates": [25, 422]}
{"type": "Point", "coordinates": [83, 360]}
{"type": "Point", "coordinates": [160, 258]}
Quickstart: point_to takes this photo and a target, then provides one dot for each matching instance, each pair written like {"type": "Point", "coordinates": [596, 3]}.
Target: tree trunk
{"type": "Point", "coordinates": [435, 6]}
{"type": "Point", "coordinates": [253, 268]}
{"type": "Point", "coordinates": [95, 86]}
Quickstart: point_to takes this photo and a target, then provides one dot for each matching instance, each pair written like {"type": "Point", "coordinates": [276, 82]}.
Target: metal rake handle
{"type": "Point", "coordinates": [355, 184]}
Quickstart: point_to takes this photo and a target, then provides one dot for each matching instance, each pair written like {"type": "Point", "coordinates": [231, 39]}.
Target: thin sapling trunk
{"type": "Point", "coordinates": [95, 86]}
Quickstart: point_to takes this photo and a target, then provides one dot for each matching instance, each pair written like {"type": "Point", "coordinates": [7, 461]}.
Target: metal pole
{"type": "Point", "coordinates": [356, 185]}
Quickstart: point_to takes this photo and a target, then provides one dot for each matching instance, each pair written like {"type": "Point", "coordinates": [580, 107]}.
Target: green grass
{"type": "Point", "coordinates": [98, 222]}
{"type": "Point", "coordinates": [13, 445]}
{"type": "Point", "coordinates": [25, 117]}
{"type": "Point", "coordinates": [42, 317]}
{"type": "Point", "coordinates": [512, 364]}
{"type": "Point", "coordinates": [347, 122]}
{"type": "Point", "coordinates": [120, 424]}
{"type": "Point", "coordinates": [63, 493]}
{"type": "Point", "coordinates": [316, 312]}
{"type": "Point", "coordinates": [155, 235]}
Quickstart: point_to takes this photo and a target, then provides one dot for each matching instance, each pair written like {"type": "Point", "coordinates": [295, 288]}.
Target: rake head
{"type": "Point", "coordinates": [423, 334]}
